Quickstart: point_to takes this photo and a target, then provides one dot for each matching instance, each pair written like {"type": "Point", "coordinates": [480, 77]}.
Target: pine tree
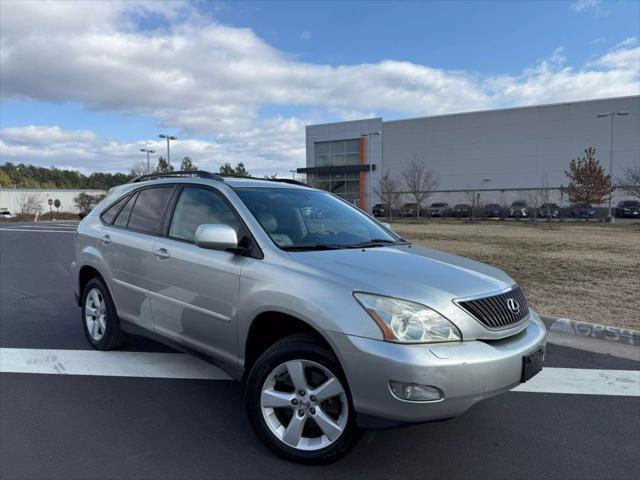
{"type": "Point", "coordinates": [588, 184]}
{"type": "Point", "coordinates": [163, 166]}
{"type": "Point", "coordinates": [187, 165]}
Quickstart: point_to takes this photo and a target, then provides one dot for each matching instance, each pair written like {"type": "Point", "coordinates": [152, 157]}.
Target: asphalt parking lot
{"type": "Point", "coordinates": [94, 423]}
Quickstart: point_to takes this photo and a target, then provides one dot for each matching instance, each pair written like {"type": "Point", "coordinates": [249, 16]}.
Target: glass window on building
{"type": "Point", "coordinates": [339, 153]}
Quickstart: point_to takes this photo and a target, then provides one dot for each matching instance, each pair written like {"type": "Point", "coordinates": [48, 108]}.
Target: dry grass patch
{"type": "Point", "coordinates": [587, 272]}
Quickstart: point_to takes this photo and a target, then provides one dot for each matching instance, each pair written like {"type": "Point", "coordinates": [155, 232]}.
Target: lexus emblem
{"type": "Point", "coordinates": [513, 306]}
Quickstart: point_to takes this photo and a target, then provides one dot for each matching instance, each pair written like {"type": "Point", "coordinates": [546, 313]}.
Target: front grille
{"type": "Point", "coordinates": [494, 312]}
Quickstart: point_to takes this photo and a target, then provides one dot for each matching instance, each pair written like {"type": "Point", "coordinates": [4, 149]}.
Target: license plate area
{"type": "Point", "coordinates": [532, 364]}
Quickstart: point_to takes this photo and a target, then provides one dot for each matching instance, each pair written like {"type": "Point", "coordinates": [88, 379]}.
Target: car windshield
{"type": "Point", "coordinates": [493, 205]}
{"type": "Point", "coordinates": [300, 219]}
{"type": "Point", "coordinates": [437, 205]}
{"type": "Point", "coordinates": [630, 203]}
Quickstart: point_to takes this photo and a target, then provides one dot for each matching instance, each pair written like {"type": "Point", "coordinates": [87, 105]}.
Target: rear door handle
{"type": "Point", "coordinates": [106, 239]}
{"type": "Point", "coordinates": [161, 253]}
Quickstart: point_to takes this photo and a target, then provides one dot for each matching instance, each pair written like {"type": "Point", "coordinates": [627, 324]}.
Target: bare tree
{"type": "Point", "coordinates": [29, 203]}
{"type": "Point", "coordinates": [387, 190]}
{"type": "Point", "coordinates": [533, 198]}
{"type": "Point", "coordinates": [139, 168]}
{"type": "Point", "coordinates": [420, 181]}
{"type": "Point", "coordinates": [474, 198]}
{"type": "Point", "coordinates": [85, 201]}
{"type": "Point", "coordinates": [630, 181]}
{"type": "Point", "coordinates": [545, 194]}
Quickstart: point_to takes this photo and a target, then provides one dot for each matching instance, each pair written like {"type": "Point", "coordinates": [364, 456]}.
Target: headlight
{"type": "Point", "coordinates": [407, 322]}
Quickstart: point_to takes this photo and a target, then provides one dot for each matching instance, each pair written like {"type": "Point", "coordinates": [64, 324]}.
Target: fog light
{"type": "Point", "coordinates": [414, 392]}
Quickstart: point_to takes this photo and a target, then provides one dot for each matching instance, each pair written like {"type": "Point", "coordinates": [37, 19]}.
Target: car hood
{"type": "Point", "coordinates": [412, 272]}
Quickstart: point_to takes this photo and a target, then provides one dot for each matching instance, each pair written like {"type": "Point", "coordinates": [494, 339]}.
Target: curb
{"type": "Point", "coordinates": [606, 333]}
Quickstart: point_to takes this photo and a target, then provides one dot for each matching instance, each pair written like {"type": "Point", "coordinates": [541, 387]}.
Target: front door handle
{"type": "Point", "coordinates": [106, 239]}
{"type": "Point", "coordinates": [161, 253]}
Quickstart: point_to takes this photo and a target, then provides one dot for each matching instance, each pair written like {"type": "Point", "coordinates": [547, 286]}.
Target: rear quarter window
{"type": "Point", "coordinates": [110, 213]}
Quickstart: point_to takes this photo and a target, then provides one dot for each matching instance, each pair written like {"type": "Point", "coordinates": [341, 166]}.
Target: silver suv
{"type": "Point", "coordinates": [332, 321]}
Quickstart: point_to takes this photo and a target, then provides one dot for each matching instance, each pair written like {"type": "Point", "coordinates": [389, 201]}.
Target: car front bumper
{"type": "Point", "coordinates": [466, 372]}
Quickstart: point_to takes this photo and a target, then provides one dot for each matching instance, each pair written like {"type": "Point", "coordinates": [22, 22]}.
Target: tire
{"type": "Point", "coordinates": [313, 446]}
{"type": "Point", "coordinates": [104, 332]}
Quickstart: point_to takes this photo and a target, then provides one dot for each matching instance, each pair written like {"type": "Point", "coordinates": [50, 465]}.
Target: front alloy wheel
{"type": "Point", "coordinates": [298, 401]}
{"type": "Point", "coordinates": [304, 405]}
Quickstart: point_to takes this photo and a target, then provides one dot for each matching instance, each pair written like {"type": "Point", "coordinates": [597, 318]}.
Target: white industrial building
{"type": "Point", "coordinates": [497, 154]}
{"type": "Point", "coordinates": [12, 198]}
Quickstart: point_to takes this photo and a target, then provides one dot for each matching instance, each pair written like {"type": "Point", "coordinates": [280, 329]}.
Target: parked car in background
{"type": "Point", "coordinates": [519, 209]}
{"type": "Point", "coordinates": [492, 210]}
{"type": "Point", "coordinates": [582, 211]}
{"type": "Point", "coordinates": [411, 210]}
{"type": "Point", "coordinates": [628, 208]}
{"type": "Point", "coordinates": [549, 210]}
{"type": "Point", "coordinates": [462, 210]}
{"type": "Point", "coordinates": [439, 209]}
{"type": "Point", "coordinates": [333, 326]}
{"type": "Point", "coordinates": [379, 210]}
{"type": "Point", "coordinates": [6, 213]}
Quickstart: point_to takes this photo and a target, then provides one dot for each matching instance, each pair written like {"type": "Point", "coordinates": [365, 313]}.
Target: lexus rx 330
{"type": "Point", "coordinates": [333, 322]}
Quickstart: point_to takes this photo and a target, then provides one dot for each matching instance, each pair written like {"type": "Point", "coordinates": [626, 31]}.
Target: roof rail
{"type": "Point", "coordinates": [288, 180]}
{"type": "Point", "coordinates": [281, 180]}
{"type": "Point", "coordinates": [180, 173]}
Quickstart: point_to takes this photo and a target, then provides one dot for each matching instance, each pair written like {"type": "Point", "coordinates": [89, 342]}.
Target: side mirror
{"type": "Point", "coordinates": [216, 236]}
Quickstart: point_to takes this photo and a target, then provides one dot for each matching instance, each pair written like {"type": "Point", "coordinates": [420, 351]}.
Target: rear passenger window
{"type": "Point", "coordinates": [109, 214]}
{"type": "Point", "coordinates": [147, 213]}
{"type": "Point", "coordinates": [198, 206]}
{"type": "Point", "coordinates": [123, 217]}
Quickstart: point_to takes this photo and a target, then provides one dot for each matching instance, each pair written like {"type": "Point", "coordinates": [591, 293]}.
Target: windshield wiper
{"type": "Point", "coordinates": [375, 242]}
{"type": "Point", "coordinates": [312, 246]}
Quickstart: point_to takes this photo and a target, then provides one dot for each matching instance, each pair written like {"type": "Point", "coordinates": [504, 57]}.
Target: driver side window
{"type": "Point", "coordinates": [198, 206]}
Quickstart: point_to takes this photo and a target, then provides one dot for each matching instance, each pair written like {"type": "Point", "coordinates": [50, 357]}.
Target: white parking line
{"type": "Point", "coordinates": [35, 230]}
{"type": "Point", "coordinates": [181, 366]}
{"type": "Point", "coordinates": [107, 364]}
{"type": "Point", "coordinates": [44, 225]}
{"type": "Point", "coordinates": [584, 381]}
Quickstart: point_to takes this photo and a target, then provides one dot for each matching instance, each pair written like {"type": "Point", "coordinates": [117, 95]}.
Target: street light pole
{"type": "Point", "coordinates": [147, 151]}
{"type": "Point", "coordinates": [293, 174]}
{"type": "Point", "coordinates": [611, 115]}
{"type": "Point", "coordinates": [168, 137]}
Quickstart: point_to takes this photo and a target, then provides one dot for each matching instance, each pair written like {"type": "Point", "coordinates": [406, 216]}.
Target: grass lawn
{"type": "Point", "coordinates": [583, 271]}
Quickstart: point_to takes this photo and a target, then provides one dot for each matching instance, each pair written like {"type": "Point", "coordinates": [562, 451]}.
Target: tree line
{"type": "Point", "coordinates": [31, 176]}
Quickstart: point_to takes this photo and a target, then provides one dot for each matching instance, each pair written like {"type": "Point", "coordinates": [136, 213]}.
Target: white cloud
{"type": "Point", "coordinates": [258, 148]}
{"type": "Point", "coordinates": [306, 35]}
{"type": "Point", "coordinates": [590, 5]}
{"type": "Point", "coordinates": [205, 78]}
{"type": "Point", "coordinates": [598, 40]}
{"type": "Point", "coordinates": [44, 135]}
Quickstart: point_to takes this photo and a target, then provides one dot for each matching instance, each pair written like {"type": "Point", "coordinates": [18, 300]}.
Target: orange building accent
{"type": "Point", "coordinates": [363, 160]}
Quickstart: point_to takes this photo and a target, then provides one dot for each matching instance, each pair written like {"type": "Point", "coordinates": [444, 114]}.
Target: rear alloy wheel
{"type": "Point", "coordinates": [298, 402]}
{"type": "Point", "coordinates": [95, 314]}
{"type": "Point", "coordinates": [99, 317]}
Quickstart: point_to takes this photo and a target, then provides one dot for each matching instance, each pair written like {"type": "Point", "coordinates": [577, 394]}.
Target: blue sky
{"type": "Point", "coordinates": [237, 81]}
{"type": "Point", "coordinates": [489, 37]}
